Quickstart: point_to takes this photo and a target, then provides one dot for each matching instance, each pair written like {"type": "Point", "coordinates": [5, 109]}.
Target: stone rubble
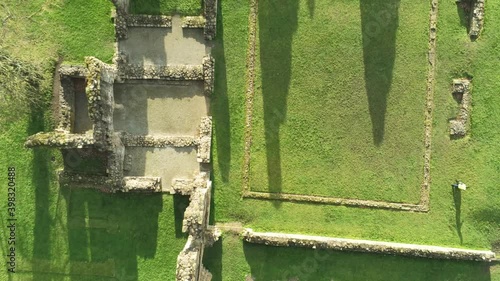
{"type": "Point", "coordinates": [462, 91]}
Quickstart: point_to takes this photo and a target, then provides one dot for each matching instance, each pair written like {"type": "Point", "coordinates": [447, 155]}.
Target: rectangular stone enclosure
{"type": "Point", "coordinates": [153, 108]}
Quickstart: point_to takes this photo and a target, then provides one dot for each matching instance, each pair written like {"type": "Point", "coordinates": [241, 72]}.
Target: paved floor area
{"type": "Point", "coordinates": [162, 46]}
{"type": "Point", "coordinates": [154, 109]}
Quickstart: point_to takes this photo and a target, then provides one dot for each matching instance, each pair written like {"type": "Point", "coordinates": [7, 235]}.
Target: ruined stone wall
{"type": "Point", "coordinates": [340, 244]}
{"type": "Point", "coordinates": [476, 18]}
{"type": "Point", "coordinates": [149, 184]}
{"type": "Point", "coordinates": [195, 223]}
{"type": "Point", "coordinates": [462, 92]}
{"type": "Point", "coordinates": [169, 72]}
{"type": "Point", "coordinates": [148, 21]}
{"type": "Point", "coordinates": [210, 13]}
{"type": "Point", "coordinates": [208, 64]}
{"type": "Point", "coordinates": [59, 139]}
{"type": "Point", "coordinates": [99, 90]}
{"type": "Point", "coordinates": [157, 141]}
{"type": "Point", "coordinates": [193, 22]}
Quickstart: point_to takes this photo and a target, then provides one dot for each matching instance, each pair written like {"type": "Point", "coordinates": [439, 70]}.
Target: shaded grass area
{"type": "Point", "coordinates": [339, 109]}
{"type": "Point", "coordinates": [73, 29]}
{"type": "Point", "coordinates": [241, 259]}
{"type": "Point", "coordinates": [470, 224]}
{"type": "Point", "coordinates": [65, 234]}
{"type": "Point", "coordinates": [166, 7]}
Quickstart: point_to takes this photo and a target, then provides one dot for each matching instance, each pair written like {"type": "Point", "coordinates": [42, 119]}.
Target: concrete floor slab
{"type": "Point", "coordinates": [162, 46]}
{"type": "Point", "coordinates": [159, 109]}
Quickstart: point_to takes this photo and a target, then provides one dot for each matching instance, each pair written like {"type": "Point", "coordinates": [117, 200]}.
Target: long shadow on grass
{"type": "Point", "coordinates": [277, 25]}
{"type": "Point", "coordinates": [108, 232]}
{"type": "Point", "coordinates": [277, 263]}
{"type": "Point", "coordinates": [457, 199]}
{"type": "Point", "coordinates": [41, 182]}
{"type": "Point", "coordinates": [212, 260]}
{"type": "Point", "coordinates": [379, 23]}
{"type": "Point", "coordinates": [220, 103]}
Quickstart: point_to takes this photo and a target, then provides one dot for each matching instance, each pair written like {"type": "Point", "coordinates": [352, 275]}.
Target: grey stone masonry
{"type": "Point", "coordinates": [476, 18]}
{"type": "Point", "coordinates": [377, 247]}
{"type": "Point", "coordinates": [462, 92]}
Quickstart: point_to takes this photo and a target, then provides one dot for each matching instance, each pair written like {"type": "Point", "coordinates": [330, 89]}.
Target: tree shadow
{"type": "Point", "coordinates": [277, 24]}
{"type": "Point", "coordinates": [41, 182]}
{"type": "Point", "coordinates": [149, 7]}
{"type": "Point", "coordinates": [379, 23]}
{"type": "Point", "coordinates": [220, 103]}
{"type": "Point", "coordinates": [285, 263]}
{"type": "Point", "coordinates": [457, 199]}
{"type": "Point", "coordinates": [107, 232]}
{"type": "Point", "coordinates": [464, 13]}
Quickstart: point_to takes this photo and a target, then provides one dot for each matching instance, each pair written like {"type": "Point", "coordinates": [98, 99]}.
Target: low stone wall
{"type": "Point", "coordinates": [59, 140]}
{"type": "Point", "coordinates": [169, 72]}
{"type": "Point", "coordinates": [341, 244]}
{"type": "Point", "coordinates": [462, 92]}
{"type": "Point", "coordinates": [156, 141]}
{"type": "Point", "coordinates": [71, 180]}
{"type": "Point", "coordinates": [210, 13]}
{"type": "Point", "coordinates": [205, 140]}
{"type": "Point", "coordinates": [119, 16]}
{"type": "Point", "coordinates": [195, 223]}
{"type": "Point", "coordinates": [476, 19]}
{"type": "Point", "coordinates": [193, 22]}
{"type": "Point", "coordinates": [208, 75]}
{"type": "Point", "coordinates": [148, 21]}
{"type": "Point", "coordinates": [185, 186]}
{"type": "Point", "coordinates": [65, 74]}
{"type": "Point", "coordinates": [142, 184]}
{"type": "Point", "coordinates": [75, 71]}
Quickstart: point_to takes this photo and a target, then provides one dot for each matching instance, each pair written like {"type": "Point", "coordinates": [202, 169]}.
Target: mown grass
{"type": "Point", "coordinates": [166, 7]}
{"type": "Point", "coordinates": [275, 263]}
{"type": "Point", "coordinates": [339, 109]}
{"type": "Point", "coordinates": [470, 221]}
{"type": "Point", "coordinates": [64, 233]}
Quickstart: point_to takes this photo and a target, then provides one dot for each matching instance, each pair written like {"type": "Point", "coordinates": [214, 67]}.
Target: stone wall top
{"type": "Point", "coordinates": [367, 246]}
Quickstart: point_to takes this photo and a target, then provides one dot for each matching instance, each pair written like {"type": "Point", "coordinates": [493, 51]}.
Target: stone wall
{"type": "Point", "coordinates": [185, 186]}
{"type": "Point", "coordinates": [99, 90]}
{"type": "Point", "coordinates": [169, 72]}
{"type": "Point", "coordinates": [476, 18]}
{"type": "Point", "coordinates": [340, 244]}
{"type": "Point", "coordinates": [148, 21]}
{"type": "Point", "coordinates": [193, 22]}
{"type": "Point", "coordinates": [58, 139]}
{"type": "Point", "coordinates": [149, 184]}
{"type": "Point", "coordinates": [195, 223]}
{"type": "Point", "coordinates": [208, 64]}
{"type": "Point", "coordinates": [157, 141]}
{"type": "Point", "coordinates": [210, 13]}
{"type": "Point", "coordinates": [462, 92]}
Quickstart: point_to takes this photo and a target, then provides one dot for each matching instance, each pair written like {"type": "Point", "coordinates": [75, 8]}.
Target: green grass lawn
{"type": "Point", "coordinates": [232, 259]}
{"type": "Point", "coordinates": [471, 221]}
{"type": "Point", "coordinates": [339, 106]}
{"type": "Point", "coordinates": [166, 7]}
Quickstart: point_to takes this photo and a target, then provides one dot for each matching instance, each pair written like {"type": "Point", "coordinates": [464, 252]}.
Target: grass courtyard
{"type": "Point", "coordinates": [313, 115]}
{"type": "Point", "coordinates": [339, 108]}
